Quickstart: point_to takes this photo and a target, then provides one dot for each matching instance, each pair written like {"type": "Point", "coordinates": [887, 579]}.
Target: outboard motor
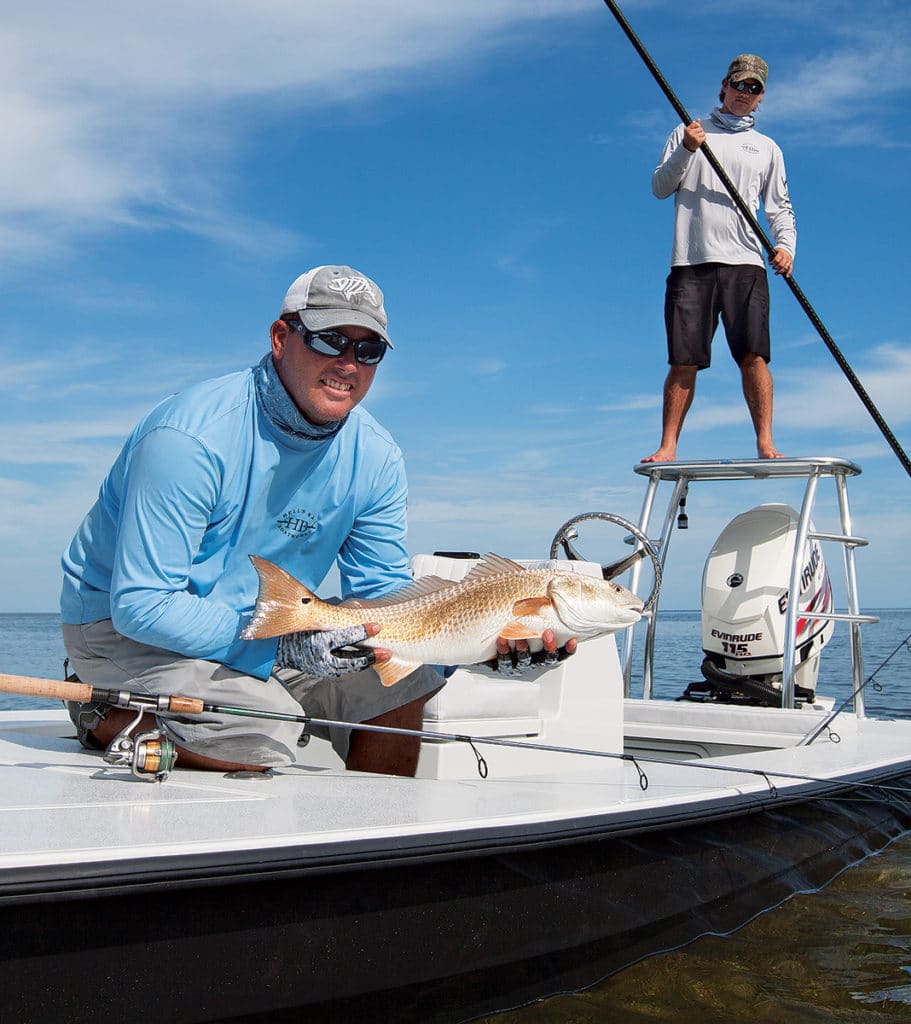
{"type": "Point", "coordinates": [744, 601]}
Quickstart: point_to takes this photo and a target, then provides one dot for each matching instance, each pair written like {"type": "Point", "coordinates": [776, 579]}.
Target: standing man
{"type": "Point", "coordinates": [278, 460]}
{"type": "Point", "coordinates": [717, 266]}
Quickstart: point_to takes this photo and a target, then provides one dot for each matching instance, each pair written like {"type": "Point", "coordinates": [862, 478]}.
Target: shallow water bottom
{"type": "Point", "coordinates": [842, 954]}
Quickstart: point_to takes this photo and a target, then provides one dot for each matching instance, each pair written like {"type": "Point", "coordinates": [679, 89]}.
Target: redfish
{"type": "Point", "coordinates": [441, 622]}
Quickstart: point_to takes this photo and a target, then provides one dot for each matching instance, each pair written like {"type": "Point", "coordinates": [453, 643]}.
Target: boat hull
{"type": "Point", "coordinates": [440, 937]}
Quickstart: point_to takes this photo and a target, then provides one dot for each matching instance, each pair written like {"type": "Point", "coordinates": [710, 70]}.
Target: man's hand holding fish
{"type": "Point", "coordinates": [517, 658]}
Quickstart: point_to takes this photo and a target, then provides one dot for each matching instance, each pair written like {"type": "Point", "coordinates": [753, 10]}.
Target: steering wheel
{"type": "Point", "coordinates": [568, 533]}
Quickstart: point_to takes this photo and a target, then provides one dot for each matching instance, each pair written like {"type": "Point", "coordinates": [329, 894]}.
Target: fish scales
{"type": "Point", "coordinates": [451, 619]}
{"type": "Point", "coordinates": [436, 621]}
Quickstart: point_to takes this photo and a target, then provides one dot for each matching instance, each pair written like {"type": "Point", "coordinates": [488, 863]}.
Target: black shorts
{"type": "Point", "coordinates": [693, 301]}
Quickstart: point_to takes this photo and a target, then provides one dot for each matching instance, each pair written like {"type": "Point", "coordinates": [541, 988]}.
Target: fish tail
{"type": "Point", "coordinates": [283, 605]}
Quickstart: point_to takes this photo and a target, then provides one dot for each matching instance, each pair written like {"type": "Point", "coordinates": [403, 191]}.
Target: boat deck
{"type": "Point", "coordinates": [69, 819]}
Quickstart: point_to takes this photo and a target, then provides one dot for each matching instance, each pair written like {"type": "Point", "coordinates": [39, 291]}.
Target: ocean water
{"type": "Point", "coordinates": [842, 954]}
{"type": "Point", "coordinates": [678, 657]}
{"type": "Point", "coordinates": [30, 645]}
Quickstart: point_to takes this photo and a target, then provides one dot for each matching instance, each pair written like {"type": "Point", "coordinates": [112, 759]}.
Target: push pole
{"type": "Point", "coordinates": [741, 205]}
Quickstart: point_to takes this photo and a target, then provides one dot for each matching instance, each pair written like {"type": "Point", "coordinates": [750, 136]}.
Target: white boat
{"type": "Point", "coordinates": [515, 864]}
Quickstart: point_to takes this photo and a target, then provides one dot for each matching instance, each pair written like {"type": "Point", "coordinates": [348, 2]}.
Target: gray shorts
{"type": "Point", "coordinates": [100, 656]}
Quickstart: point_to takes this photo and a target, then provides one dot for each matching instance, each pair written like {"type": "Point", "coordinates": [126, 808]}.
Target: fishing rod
{"type": "Point", "coordinates": [152, 754]}
{"type": "Point", "coordinates": [742, 206]}
{"type": "Point", "coordinates": [808, 739]}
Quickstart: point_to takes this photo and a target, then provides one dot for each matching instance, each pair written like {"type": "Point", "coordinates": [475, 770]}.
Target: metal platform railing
{"type": "Point", "coordinates": [812, 469]}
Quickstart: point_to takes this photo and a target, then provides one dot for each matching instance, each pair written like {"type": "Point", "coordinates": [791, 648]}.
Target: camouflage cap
{"type": "Point", "coordinates": [748, 65]}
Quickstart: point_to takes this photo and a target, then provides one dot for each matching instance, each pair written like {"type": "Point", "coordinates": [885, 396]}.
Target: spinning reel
{"type": "Point", "coordinates": [150, 756]}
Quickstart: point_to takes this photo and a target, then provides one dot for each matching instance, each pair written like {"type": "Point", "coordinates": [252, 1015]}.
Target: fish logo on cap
{"type": "Point", "coordinates": [353, 288]}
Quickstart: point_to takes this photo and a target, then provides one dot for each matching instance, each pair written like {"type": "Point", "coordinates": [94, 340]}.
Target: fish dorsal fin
{"type": "Point", "coordinates": [419, 588]}
{"type": "Point", "coordinates": [493, 565]}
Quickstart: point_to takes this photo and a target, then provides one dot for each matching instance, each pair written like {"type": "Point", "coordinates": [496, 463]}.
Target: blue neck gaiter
{"type": "Point", "coordinates": [279, 406]}
{"type": "Point", "coordinates": [731, 122]}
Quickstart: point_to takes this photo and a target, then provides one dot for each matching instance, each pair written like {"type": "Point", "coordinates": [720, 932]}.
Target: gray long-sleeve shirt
{"type": "Point", "coordinates": [708, 227]}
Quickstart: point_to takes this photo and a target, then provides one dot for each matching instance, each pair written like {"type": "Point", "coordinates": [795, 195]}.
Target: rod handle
{"type": "Point", "coordinates": [55, 689]}
{"type": "Point", "coordinates": [185, 705]}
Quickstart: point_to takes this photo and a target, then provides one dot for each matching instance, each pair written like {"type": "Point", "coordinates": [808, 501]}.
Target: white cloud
{"type": "Point", "coordinates": [634, 403]}
{"type": "Point", "coordinates": [128, 110]}
{"type": "Point", "coordinates": [850, 81]}
{"type": "Point", "coordinates": [849, 78]}
{"type": "Point", "coordinates": [489, 367]}
{"type": "Point", "coordinates": [885, 375]}
{"type": "Point", "coordinates": [825, 402]}
{"type": "Point", "coordinates": [852, 77]}
{"type": "Point", "coordinates": [515, 507]}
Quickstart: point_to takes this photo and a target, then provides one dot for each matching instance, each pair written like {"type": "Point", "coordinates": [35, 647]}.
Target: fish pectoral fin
{"type": "Point", "coordinates": [519, 631]}
{"type": "Point", "coordinates": [390, 672]}
{"type": "Point", "coordinates": [531, 606]}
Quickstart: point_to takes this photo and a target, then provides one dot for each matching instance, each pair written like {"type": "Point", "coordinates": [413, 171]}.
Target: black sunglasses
{"type": "Point", "coordinates": [753, 88]}
{"type": "Point", "coordinates": [368, 351]}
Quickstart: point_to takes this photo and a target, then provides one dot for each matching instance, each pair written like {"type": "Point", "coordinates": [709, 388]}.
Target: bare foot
{"type": "Point", "coordinates": [662, 455]}
{"type": "Point", "coordinates": [769, 452]}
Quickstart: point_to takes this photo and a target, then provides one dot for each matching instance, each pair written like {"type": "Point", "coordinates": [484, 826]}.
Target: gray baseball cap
{"type": "Point", "coordinates": [748, 65]}
{"type": "Point", "coordinates": [335, 296]}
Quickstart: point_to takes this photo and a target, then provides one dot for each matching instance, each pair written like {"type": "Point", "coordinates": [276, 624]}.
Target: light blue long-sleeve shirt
{"type": "Point", "coordinates": [207, 479]}
{"type": "Point", "coordinates": [708, 227]}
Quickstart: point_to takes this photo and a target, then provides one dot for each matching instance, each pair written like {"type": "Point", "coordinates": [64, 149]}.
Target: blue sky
{"type": "Point", "coordinates": [168, 169]}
